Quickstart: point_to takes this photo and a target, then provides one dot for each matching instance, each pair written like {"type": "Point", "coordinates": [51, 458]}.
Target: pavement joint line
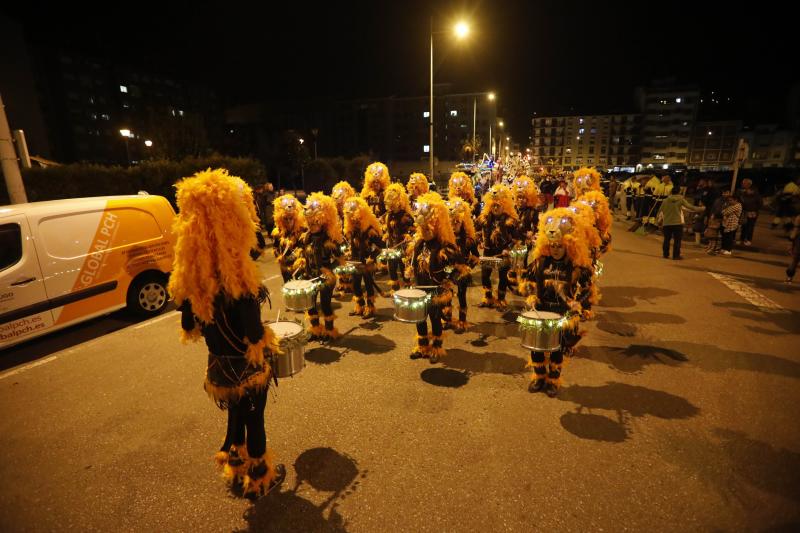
{"type": "Point", "coordinates": [27, 367]}
{"type": "Point", "coordinates": [154, 320]}
{"type": "Point", "coordinates": [273, 277]}
{"type": "Point", "coordinates": [751, 295]}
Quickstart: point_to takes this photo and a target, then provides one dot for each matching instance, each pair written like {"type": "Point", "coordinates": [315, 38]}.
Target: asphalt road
{"type": "Point", "coordinates": [678, 413]}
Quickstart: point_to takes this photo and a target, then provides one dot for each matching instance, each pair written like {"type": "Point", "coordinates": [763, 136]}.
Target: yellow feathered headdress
{"type": "Point", "coordinates": [460, 186]}
{"type": "Point", "coordinates": [341, 192]}
{"type": "Point", "coordinates": [578, 235]}
{"type": "Point", "coordinates": [602, 214]}
{"type": "Point", "coordinates": [288, 207]}
{"type": "Point", "coordinates": [523, 188]}
{"type": "Point", "coordinates": [359, 217]}
{"type": "Point", "coordinates": [432, 211]}
{"type": "Point", "coordinates": [215, 230]}
{"type": "Point", "coordinates": [498, 194]}
{"type": "Point", "coordinates": [320, 209]}
{"type": "Point", "coordinates": [460, 210]}
{"type": "Point", "coordinates": [376, 172]}
{"type": "Point", "coordinates": [586, 179]}
{"type": "Point", "coordinates": [396, 199]}
{"type": "Point", "coordinates": [417, 184]}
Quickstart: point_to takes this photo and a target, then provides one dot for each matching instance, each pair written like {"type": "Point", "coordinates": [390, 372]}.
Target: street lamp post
{"type": "Point", "coordinates": [461, 30]}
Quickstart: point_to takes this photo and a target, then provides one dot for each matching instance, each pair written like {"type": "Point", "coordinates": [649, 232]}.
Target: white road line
{"type": "Point", "coordinates": [28, 367]}
{"type": "Point", "coordinates": [154, 320]}
{"type": "Point", "coordinates": [751, 295]}
{"type": "Point", "coordinates": [273, 277]}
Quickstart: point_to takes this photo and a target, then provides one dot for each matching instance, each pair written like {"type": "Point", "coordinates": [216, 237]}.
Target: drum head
{"type": "Point", "coordinates": [411, 294]}
{"type": "Point", "coordinates": [298, 285]}
{"type": "Point", "coordinates": [541, 315]}
{"type": "Point", "coordinates": [285, 329]}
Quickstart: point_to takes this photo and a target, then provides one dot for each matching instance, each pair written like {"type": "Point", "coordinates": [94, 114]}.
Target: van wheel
{"type": "Point", "coordinates": [147, 295]}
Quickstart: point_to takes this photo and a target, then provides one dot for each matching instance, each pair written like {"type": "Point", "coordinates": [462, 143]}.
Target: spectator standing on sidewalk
{"type": "Point", "coordinates": [561, 195]}
{"type": "Point", "coordinates": [714, 226]}
{"type": "Point", "coordinates": [751, 205]}
{"type": "Point", "coordinates": [731, 213]}
{"type": "Point", "coordinates": [671, 215]}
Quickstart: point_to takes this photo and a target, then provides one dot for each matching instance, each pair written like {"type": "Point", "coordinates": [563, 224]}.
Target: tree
{"type": "Point", "coordinates": [175, 137]}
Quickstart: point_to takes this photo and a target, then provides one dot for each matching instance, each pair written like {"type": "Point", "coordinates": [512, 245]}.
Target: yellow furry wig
{"type": "Point", "coordinates": [460, 186]}
{"type": "Point", "coordinates": [460, 210]}
{"type": "Point", "coordinates": [320, 209]}
{"type": "Point", "coordinates": [376, 173]}
{"type": "Point", "coordinates": [432, 212]}
{"type": "Point", "coordinates": [341, 192]}
{"type": "Point", "coordinates": [599, 203]}
{"type": "Point", "coordinates": [287, 207]}
{"type": "Point", "coordinates": [396, 199]}
{"type": "Point", "coordinates": [215, 230]}
{"type": "Point", "coordinates": [526, 194]}
{"type": "Point", "coordinates": [417, 184]}
{"type": "Point", "coordinates": [586, 179]}
{"type": "Point", "coordinates": [571, 229]}
{"type": "Point", "coordinates": [498, 195]}
{"type": "Point", "coordinates": [358, 217]}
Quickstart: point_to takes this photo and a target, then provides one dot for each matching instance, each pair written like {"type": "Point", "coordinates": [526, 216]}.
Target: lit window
{"type": "Point", "coordinates": [710, 132]}
{"type": "Point", "coordinates": [425, 114]}
{"type": "Point", "coordinates": [666, 166]}
{"type": "Point", "coordinates": [105, 116]}
{"type": "Point", "coordinates": [580, 121]}
{"type": "Point", "coordinates": [581, 130]}
{"type": "Point", "coordinates": [123, 88]}
{"type": "Point", "coordinates": [593, 131]}
{"type": "Point", "coordinates": [453, 113]}
{"type": "Point", "coordinates": [678, 100]}
{"type": "Point", "coordinates": [426, 148]}
{"type": "Point", "coordinates": [180, 112]}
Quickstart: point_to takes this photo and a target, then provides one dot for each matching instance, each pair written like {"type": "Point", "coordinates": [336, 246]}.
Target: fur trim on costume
{"type": "Point", "coordinates": [599, 203]}
{"type": "Point", "coordinates": [358, 305]}
{"type": "Point", "coordinates": [443, 298]}
{"type": "Point", "coordinates": [498, 195]}
{"type": "Point", "coordinates": [461, 211]}
{"type": "Point", "coordinates": [395, 198]}
{"type": "Point", "coordinates": [341, 192]}
{"type": "Point", "coordinates": [422, 347]}
{"type": "Point", "coordinates": [280, 215]}
{"type": "Point", "coordinates": [417, 184]}
{"type": "Point", "coordinates": [525, 192]}
{"type": "Point", "coordinates": [460, 186]}
{"type": "Point", "coordinates": [260, 473]}
{"type": "Point", "coordinates": [234, 468]}
{"type": "Point", "coordinates": [215, 230]}
{"type": "Point", "coordinates": [585, 179]}
{"type": "Point", "coordinates": [437, 351]}
{"type": "Point", "coordinates": [460, 324]}
{"type": "Point", "coordinates": [577, 242]}
{"type": "Point", "coordinates": [220, 458]}
{"type": "Point", "coordinates": [376, 171]}
{"type": "Point", "coordinates": [228, 395]}
{"type": "Point", "coordinates": [358, 217]}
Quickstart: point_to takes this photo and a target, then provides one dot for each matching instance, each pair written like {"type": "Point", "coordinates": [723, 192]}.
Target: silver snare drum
{"type": "Point", "coordinates": [292, 339]}
{"type": "Point", "coordinates": [541, 330]}
{"type": "Point", "coordinates": [299, 294]}
{"type": "Point", "coordinates": [518, 256]}
{"type": "Point", "coordinates": [411, 305]}
{"type": "Point", "coordinates": [493, 262]}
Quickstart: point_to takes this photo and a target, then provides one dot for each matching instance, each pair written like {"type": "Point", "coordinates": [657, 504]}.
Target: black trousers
{"type": "Point", "coordinates": [369, 285]}
{"type": "Point", "coordinates": [486, 279]}
{"type": "Point", "coordinates": [748, 228]}
{"type": "Point", "coordinates": [394, 267]}
{"type": "Point", "coordinates": [246, 422]}
{"type": "Point", "coordinates": [325, 297]}
{"type": "Point", "coordinates": [435, 316]}
{"type": "Point", "coordinates": [676, 233]}
{"type": "Point", "coordinates": [727, 240]}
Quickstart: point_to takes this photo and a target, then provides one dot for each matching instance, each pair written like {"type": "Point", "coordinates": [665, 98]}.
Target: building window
{"type": "Point", "coordinates": [123, 89]}
{"type": "Point", "coordinates": [593, 131]}
{"type": "Point", "coordinates": [426, 148]}
{"type": "Point", "coordinates": [581, 130]}
{"type": "Point", "coordinates": [426, 114]}
{"type": "Point", "coordinates": [453, 113]}
{"type": "Point", "coordinates": [180, 112]}
{"type": "Point", "coordinates": [678, 100]}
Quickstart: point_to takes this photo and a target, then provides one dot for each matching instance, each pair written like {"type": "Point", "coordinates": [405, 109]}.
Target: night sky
{"type": "Point", "coordinates": [539, 56]}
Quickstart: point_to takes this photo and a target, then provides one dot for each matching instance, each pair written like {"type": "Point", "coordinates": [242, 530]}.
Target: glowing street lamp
{"type": "Point", "coordinates": [148, 143]}
{"type": "Point", "coordinates": [126, 134]}
{"type": "Point", "coordinates": [461, 29]}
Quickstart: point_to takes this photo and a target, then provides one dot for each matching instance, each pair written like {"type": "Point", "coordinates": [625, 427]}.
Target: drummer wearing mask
{"type": "Point", "coordinates": [497, 226]}
{"type": "Point", "coordinates": [288, 228]}
{"type": "Point", "coordinates": [319, 254]}
{"type": "Point", "coordinates": [341, 192]}
{"type": "Point", "coordinates": [363, 231]}
{"type": "Point", "coordinates": [432, 257]}
{"type": "Point", "coordinates": [467, 244]}
{"type": "Point", "coordinates": [559, 280]}
{"type": "Point", "coordinates": [398, 226]}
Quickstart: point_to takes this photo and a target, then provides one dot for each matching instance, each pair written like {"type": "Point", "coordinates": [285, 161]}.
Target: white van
{"type": "Point", "coordinates": [66, 261]}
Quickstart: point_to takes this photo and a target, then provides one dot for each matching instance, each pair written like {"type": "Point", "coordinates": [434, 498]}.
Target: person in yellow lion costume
{"type": "Point", "coordinates": [585, 179]}
{"type": "Point", "coordinates": [376, 180]}
{"type": "Point", "coordinates": [319, 253]}
{"type": "Point", "coordinates": [460, 186]}
{"type": "Point", "coordinates": [601, 219]}
{"type": "Point", "coordinates": [527, 201]}
{"type": "Point", "coordinates": [467, 244]}
{"type": "Point", "coordinates": [216, 286]}
{"type": "Point", "coordinates": [289, 226]}
{"type": "Point", "coordinates": [417, 186]}
{"type": "Point", "coordinates": [398, 225]}
{"type": "Point", "coordinates": [363, 231]}
{"type": "Point", "coordinates": [432, 257]}
{"type": "Point", "coordinates": [558, 280]}
{"type": "Point", "coordinates": [341, 192]}
{"type": "Point", "coordinates": [497, 225]}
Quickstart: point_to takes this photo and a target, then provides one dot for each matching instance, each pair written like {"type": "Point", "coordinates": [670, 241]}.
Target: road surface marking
{"type": "Point", "coordinates": [154, 320]}
{"type": "Point", "coordinates": [273, 277]}
{"type": "Point", "coordinates": [751, 295]}
{"type": "Point", "coordinates": [28, 367]}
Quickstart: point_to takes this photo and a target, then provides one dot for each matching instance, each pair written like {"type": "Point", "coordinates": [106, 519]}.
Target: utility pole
{"type": "Point", "coordinates": [8, 158]}
{"type": "Point", "coordinates": [741, 155]}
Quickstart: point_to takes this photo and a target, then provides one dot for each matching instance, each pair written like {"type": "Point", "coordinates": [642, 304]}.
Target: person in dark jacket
{"type": "Point", "coordinates": [751, 205]}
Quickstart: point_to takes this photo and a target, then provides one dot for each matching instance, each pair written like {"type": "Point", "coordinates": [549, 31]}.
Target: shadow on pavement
{"type": "Point", "coordinates": [594, 427]}
{"type": "Point", "coordinates": [630, 400]}
{"type": "Point", "coordinates": [367, 344]}
{"type": "Point", "coordinates": [634, 358]}
{"type": "Point", "coordinates": [788, 320]}
{"type": "Point", "coordinates": [500, 330]}
{"type": "Point", "coordinates": [443, 377]}
{"type": "Point", "coordinates": [619, 296]}
{"type": "Point", "coordinates": [323, 356]}
{"type": "Point", "coordinates": [324, 470]}
{"type": "Point", "coordinates": [757, 282]}
{"type": "Point", "coordinates": [640, 317]}
{"type": "Point", "coordinates": [484, 362]}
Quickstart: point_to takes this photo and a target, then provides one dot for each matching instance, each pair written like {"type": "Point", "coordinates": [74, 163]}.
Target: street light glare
{"type": "Point", "coordinates": [490, 96]}
{"type": "Point", "coordinates": [501, 124]}
{"type": "Point", "coordinates": [125, 132]}
{"type": "Point", "coordinates": [148, 143]}
{"type": "Point", "coordinates": [301, 141]}
{"type": "Point", "coordinates": [461, 29]}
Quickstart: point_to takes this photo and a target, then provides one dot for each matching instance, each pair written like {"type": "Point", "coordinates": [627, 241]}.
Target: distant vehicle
{"type": "Point", "coordinates": [66, 261]}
